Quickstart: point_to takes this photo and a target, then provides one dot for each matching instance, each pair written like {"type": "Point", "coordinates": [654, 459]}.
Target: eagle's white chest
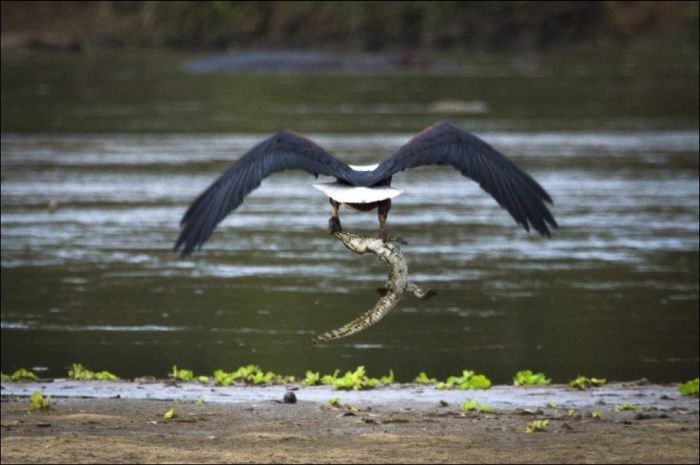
{"type": "Point", "coordinates": [351, 194]}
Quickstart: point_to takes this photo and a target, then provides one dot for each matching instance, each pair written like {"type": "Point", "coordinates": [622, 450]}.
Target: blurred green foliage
{"type": "Point", "coordinates": [468, 380]}
{"type": "Point", "coordinates": [528, 378]}
{"type": "Point", "coordinates": [367, 26]}
{"type": "Point", "coordinates": [80, 372]}
{"type": "Point", "coordinates": [690, 388]}
{"type": "Point", "coordinates": [21, 375]}
{"type": "Point", "coordinates": [474, 406]}
{"type": "Point", "coordinates": [536, 426]}
{"type": "Point", "coordinates": [584, 382]}
{"type": "Point", "coordinates": [250, 374]}
{"type": "Point", "coordinates": [37, 401]}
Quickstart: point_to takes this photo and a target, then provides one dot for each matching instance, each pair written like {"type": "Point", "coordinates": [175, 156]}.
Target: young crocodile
{"type": "Point", "coordinates": [390, 254]}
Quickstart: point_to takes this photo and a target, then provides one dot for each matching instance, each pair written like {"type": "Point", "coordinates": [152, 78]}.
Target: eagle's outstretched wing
{"type": "Point", "coordinates": [284, 150]}
{"type": "Point", "coordinates": [446, 144]}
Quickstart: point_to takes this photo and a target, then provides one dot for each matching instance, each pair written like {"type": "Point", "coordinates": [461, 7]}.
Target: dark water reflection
{"type": "Point", "coordinates": [613, 293]}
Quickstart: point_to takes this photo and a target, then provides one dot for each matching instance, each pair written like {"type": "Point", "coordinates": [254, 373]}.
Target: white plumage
{"type": "Point", "coordinates": [351, 194]}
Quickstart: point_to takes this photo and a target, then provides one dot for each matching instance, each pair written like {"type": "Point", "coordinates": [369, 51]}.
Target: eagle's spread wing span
{"type": "Point", "coordinates": [446, 144]}
{"type": "Point", "coordinates": [284, 150]}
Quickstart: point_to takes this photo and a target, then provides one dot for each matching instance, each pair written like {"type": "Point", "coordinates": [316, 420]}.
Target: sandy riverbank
{"type": "Point", "coordinates": [399, 424]}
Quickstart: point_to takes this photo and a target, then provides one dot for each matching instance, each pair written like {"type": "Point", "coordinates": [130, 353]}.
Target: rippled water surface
{"type": "Point", "coordinates": [613, 293]}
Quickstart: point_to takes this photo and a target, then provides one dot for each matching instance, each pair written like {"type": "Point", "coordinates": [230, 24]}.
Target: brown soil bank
{"type": "Point", "coordinates": [131, 430]}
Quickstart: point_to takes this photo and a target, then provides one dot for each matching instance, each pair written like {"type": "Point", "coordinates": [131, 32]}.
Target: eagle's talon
{"type": "Point", "coordinates": [334, 225]}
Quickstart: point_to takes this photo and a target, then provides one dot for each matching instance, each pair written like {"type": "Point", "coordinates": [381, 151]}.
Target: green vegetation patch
{"type": "Point", "coordinates": [21, 375]}
{"type": "Point", "coordinates": [583, 382]}
{"type": "Point", "coordinates": [474, 406]}
{"type": "Point", "coordinates": [80, 372]}
{"type": "Point", "coordinates": [423, 378]}
{"type": "Point", "coordinates": [468, 380]}
{"type": "Point", "coordinates": [690, 388]}
{"type": "Point", "coordinates": [38, 401]}
{"type": "Point", "coordinates": [186, 375]}
{"type": "Point", "coordinates": [250, 374]}
{"type": "Point", "coordinates": [181, 374]}
{"type": "Point", "coordinates": [536, 426]}
{"type": "Point", "coordinates": [356, 380]}
{"type": "Point", "coordinates": [528, 378]}
{"type": "Point", "coordinates": [170, 414]}
{"type": "Point", "coordinates": [623, 407]}
{"type": "Point", "coordinates": [312, 378]}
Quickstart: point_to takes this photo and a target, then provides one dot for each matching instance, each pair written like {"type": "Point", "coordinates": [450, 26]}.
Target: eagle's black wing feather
{"type": "Point", "coordinates": [284, 150]}
{"type": "Point", "coordinates": [446, 144]}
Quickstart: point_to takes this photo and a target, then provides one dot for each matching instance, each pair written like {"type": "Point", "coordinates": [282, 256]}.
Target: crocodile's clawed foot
{"type": "Point", "coordinates": [420, 293]}
{"type": "Point", "coordinates": [428, 294]}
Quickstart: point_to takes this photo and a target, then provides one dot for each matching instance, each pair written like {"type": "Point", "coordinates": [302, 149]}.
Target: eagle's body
{"type": "Point", "coordinates": [359, 198]}
{"type": "Point", "coordinates": [366, 188]}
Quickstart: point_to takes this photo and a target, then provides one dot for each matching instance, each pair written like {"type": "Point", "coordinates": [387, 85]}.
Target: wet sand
{"type": "Point", "coordinates": [394, 424]}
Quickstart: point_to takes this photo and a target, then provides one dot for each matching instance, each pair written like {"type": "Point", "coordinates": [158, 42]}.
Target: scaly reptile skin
{"type": "Point", "coordinates": [390, 254]}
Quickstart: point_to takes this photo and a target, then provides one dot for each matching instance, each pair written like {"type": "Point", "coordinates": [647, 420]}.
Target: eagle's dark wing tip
{"type": "Point", "coordinates": [185, 251]}
{"type": "Point", "coordinates": [548, 227]}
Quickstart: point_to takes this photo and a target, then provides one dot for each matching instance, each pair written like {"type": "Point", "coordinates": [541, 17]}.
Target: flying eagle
{"type": "Point", "coordinates": [368, 187]}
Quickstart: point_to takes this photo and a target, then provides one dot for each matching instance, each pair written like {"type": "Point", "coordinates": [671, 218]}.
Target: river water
{"type": "Point", "coordinates": [124, 146]}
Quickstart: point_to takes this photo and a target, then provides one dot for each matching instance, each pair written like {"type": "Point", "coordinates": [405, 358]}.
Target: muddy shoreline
{"type": "Point", "coordinates": [503, 397]}
{"type": "Point", "coordinates": [400, 423]}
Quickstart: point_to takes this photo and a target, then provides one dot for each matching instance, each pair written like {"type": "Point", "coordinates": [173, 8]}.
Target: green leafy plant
{"type": "Point", "coordinates": [170, 414]}
{"type": "Point", "coordinates": [334, 402]}
{"type": "Point", "coordinates": [422, 378]}
{"type": "Point", "coordinates": [80, 372]}
{"type": "Point", "coordinates": [21, 375]}
{"type": "Point", "coordinates": [583, 382]}
{"type": "Point", "coordinates": [181, 374]}
{"type": "Point", "coordinates": [552, 405]}
{"type": "Point", "coordinates": [199, 401]}
{"type": "Point", "coordinates": [38, 401]}
{"type": "Point", "coordinates": [472, 406]}
{"type": "Point", "coordinates": [106, 376]}
{"type": "Point", "coordinates": [623, 407]}
{"type": "Point", "coordinates": [468, 380]}
{"type": "Point", "coordinates": [572, 412]}
{"type": "Point", "coordinates": [596, 415]}
{"type": "Point", "coordinates": [387, 379]}
{"type": "Point", "coordinates": [250, 374]}
{"type": "Point", "coordinates": [536, 426]}
{"type": "Point", "coordinates": [312, 378]}
{"type": "Point", "coordinates": [687, 389]}
{"type": "Point", "coordinates": [224, 378]}
{"type": "Point", "coordinates": [356, 380]}
{"type": "Point", "coordinates": [528, 378]}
